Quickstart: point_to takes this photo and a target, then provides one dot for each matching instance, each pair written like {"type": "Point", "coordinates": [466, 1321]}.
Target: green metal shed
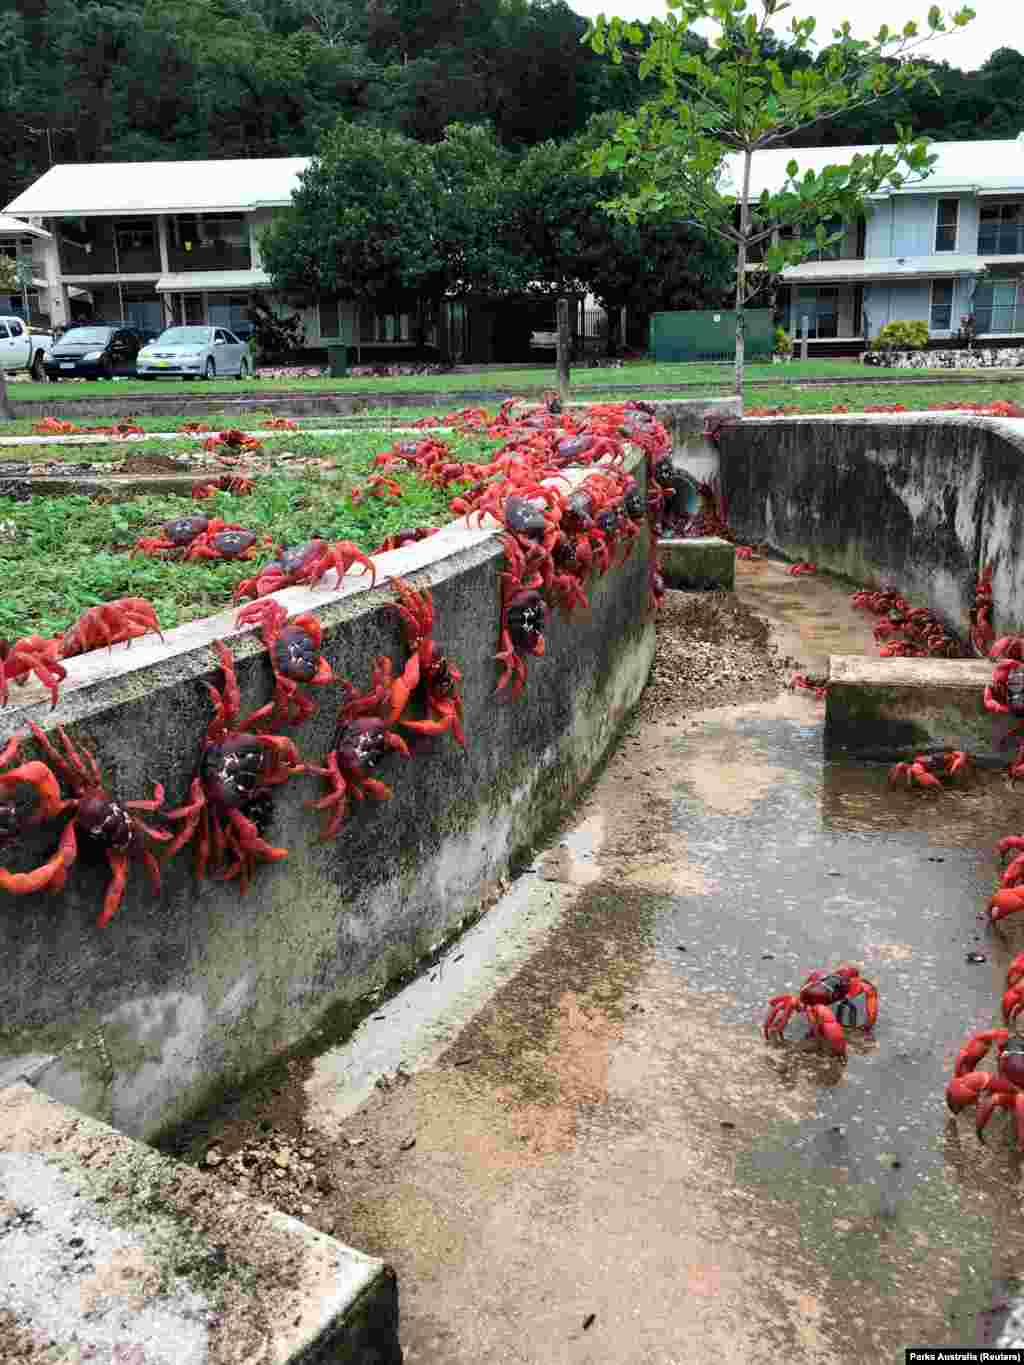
{"type": "Point", "coordinates": [709, 336]}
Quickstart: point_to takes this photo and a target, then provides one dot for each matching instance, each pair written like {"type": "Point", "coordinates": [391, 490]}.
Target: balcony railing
{"type": "Point", "coordinates": [1005, 239]}
{"type": "Point", "coordinates": [1000, 317]}
{"type": "Point", "coordinates": [215, 255]}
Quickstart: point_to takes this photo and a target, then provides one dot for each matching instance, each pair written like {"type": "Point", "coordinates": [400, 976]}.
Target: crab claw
{"type": "Point", "coordinates": [824, 1024]}
{"type": "Point", "coordinates": [968, 1088]}
{"type": "Point", "coordinates": [975, 1049]}
{"type": "Point", "coordinates": [1007, 902]}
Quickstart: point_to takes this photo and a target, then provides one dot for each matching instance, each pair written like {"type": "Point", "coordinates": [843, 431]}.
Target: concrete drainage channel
{"type": "Point", "coordinates": [142, 1052]}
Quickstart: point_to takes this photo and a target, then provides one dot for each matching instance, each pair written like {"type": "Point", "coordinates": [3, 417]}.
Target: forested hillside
{"type": "Point", "coordinates": [129, 80]}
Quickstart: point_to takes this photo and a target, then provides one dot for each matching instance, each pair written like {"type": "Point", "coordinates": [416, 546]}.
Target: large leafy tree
{"type": "Point", "coordinates": [644, 265]}
{"type": "Point", "coordinates": [688, 153]}
{"type": "Point", "coordinates": [364, 224]}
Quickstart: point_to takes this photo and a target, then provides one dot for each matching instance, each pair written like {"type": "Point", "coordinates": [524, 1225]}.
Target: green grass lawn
{"type": "Point", "coordinates": [71, 553]}
{"type": "Point", "coordinates": [541, 376]}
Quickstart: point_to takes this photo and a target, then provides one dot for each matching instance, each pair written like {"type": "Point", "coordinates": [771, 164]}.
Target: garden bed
{"type": "Point", "coordinates": [59, 556]}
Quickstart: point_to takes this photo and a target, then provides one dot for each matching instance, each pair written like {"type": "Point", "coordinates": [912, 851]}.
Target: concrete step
{"type": "Point", "coordinates": [887, 708]}
{"type": "Point", "coordinates": [113, 1253]}
{"type": "Point", "coordinates": [698, 562]}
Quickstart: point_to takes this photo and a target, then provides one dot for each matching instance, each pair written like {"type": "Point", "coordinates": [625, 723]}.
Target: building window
{"type": "Point", "coordinates": [821, 309]}
{"type": "Point", "coordinates": [215, 241]}
{"type": "Point", "coordinates": [946, 222]}
{"type": "Point", "coordinates": [995, 306]}
{"type": "Point", "coordinates": [942, 305]}
{"type": "Point", "coordinates": [231, 311]}
{"type": "Point", "coordinates": [143, 307]}
{"type": "Point", "coordinates": [1001, 231]}
{"type": "Point", "coordinates": [329, 317]}
{"type": "Point", "coordinates": [385, 328]}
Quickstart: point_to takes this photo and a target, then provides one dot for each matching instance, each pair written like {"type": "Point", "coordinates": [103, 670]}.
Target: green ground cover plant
{"type": "Point", "coordinates": [59, 556]}
{"type": "Point", "coordinates": [540, 376]}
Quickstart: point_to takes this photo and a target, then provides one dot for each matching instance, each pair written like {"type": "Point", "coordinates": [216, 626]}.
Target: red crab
{"type": "Point", "coordinates": [400, 538]}
{"type": "Point", "coordinates": [280, 424]}
{"type": "Point", "coordinates": [990, 1090]}
{"type": "Point", "coordinates": [284, 571]}
{"type": "Point", "coordinates": [231, 442]}
{"type": "Point", "coordinates": [176, 535]}
{"type": "Point", "coordinates": [229, 800]}
{"type": "Point", "coordinates": [745, 552]}
{"type": "Point", "coordinates": [1013, 996]}
{"type": "Point", "coordinates": [110, 825]}
{"type": "Point", "coordinates": [31, 654]}
{"type": "Point", "coordinates": [360, 742]}
{"type": "Point", "coordinates": [1014, 873]}
{"type": "Point", "coordinates": [16, 818]}
{"type": "Point", "coordinates": [239, 485]}
{"type": "Point", "coordinates": [229, 542]}
{"type": "Point", "coordinates": [111, 623]}
{"type": "Point", "coordinates": [379, 486]}
{"type": "Point", "coordinates": [340, 557]}
{"type": "Point", "coordinates": [1008, 647]}
{"type": "Point", "coordinates": [523, 618]}
{"type": "Point", "coordinates": [294, 648]}
{"type": "Point", "coordinates": [982, 634]}
{"type": "Point", "coordinates": [819, 993]}
{"type": "Point", "coordinates": [1005, 693]}
{"type": "Point", "coordinates": [927, 770]}
{"type": "Point", "coordinates": [802, 681]}
{"type": "Point", "coordinates": [52, 426]}
{"type": "Point", "coordinates": [797, 570]}
{"type": "Point", "coordinates": [427, 666]}
{"type": "Point", "coordinates": [194, 428]}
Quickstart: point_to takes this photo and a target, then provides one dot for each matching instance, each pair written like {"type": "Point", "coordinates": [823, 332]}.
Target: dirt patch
{"type": "Point", "coordinates": [712, 651]}
{"type": "Point", "coordinates": [151, 464]}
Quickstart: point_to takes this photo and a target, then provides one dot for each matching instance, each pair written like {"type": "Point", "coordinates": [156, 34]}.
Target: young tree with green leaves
{"type": "Point", "coordinates": [9, 284]}
{"type": "Point", "coordinates": [688, 153]}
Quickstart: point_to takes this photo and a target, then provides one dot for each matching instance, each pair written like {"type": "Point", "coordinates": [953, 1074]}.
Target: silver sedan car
{"type": "Point", "coordinates": [194, 353]}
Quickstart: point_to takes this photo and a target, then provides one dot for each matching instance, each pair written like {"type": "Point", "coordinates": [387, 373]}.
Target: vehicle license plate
{"type": "Point", "coordinates": [67, 364]}
{"type": "Point", "coordinates": [164, 364]}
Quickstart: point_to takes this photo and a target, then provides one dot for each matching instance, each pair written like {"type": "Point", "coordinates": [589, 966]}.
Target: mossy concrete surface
{"type": "Point", "coordinates": [110, 1252]}
{"type": "Point", "coordinates": [923, 501]}
{"type": "Point", "coordinates": [189, 991]}
{"type": "Point", "coordinates": [699, 562]}
{"type": "Point", "coordinates": [891, 708]}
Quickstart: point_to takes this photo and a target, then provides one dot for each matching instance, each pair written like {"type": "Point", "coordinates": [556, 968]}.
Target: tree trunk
{"type": "Point", "coordinates": [6, 410]}
{"type": "Point", "coordinates": [563, 350]}
{"type": "Point", "coordinates": [741, 272]}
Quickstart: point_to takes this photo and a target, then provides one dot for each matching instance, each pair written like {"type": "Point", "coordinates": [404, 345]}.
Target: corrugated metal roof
{"type": "Point", "coordinates": [161, 187]}
{"type": "Point", "coordinates": [884, 268]}
{"type": "Point", "coordinates": [15, 227]}
{"type": "Point", "coordinates": [212, 279]}
{"type": "Point", "coordinates": [964, 166]}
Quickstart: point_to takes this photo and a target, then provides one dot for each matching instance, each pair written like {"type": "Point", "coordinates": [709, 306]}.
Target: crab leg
{"type": "Point", "coordinates": [36, 775]}
{"type": "Point", "coordinates": [115, 891]}
{"type": "Point", "coordinates": [50, 876]}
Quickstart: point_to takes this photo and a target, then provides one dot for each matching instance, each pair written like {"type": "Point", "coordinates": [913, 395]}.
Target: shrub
{"type": "Point", "coordinates": [783, 342]}
{"type": "Point", "coordinates": [273, 335]}
{"type": "Point", "coordinates": [902, 336]}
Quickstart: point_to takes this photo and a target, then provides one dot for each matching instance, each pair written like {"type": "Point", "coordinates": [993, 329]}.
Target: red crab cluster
{"type": "Point", "coordinates": [1009, 899]}
{"type": "Point", "coordinates": [1002, 1088]}
{"type": "Point", "coordinates": [801, 569]}
{"type": "Point", "coordinates": [366, 731]}
{"type": "Point", "coordinates": [280, 424]}
{"type": "Point", "coordinates": [822, 997]}
{"type": "Point", "coordinates": [100, 627]}
{"type": "Point", "coordinates": [906, 632]}
{"type": "Point", "coordinates": [929, 771]}
{"type": "Point", "coordinates": [803, 682]}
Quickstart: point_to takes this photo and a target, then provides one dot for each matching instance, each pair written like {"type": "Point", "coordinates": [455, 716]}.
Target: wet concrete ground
{"type": "Point", "coordinates": [592, 1155]}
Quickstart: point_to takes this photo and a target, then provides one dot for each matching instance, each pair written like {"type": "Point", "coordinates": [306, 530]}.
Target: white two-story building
{"type": "Point", "coordinates": [934, 251]}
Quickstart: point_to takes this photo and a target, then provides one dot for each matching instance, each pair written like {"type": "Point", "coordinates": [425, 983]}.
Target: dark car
{"type": "Point", "coordinates": [95, 351]}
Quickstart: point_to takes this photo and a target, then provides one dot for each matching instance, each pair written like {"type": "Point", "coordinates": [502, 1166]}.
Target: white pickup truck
{"type": "Point", "coordinates": [22, 349]}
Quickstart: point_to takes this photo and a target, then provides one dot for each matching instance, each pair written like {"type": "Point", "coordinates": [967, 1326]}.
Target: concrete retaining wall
{"type": "Point", "coordinates": [182, 993]}
{"type": "Point", "coordinates": [919, 501]}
